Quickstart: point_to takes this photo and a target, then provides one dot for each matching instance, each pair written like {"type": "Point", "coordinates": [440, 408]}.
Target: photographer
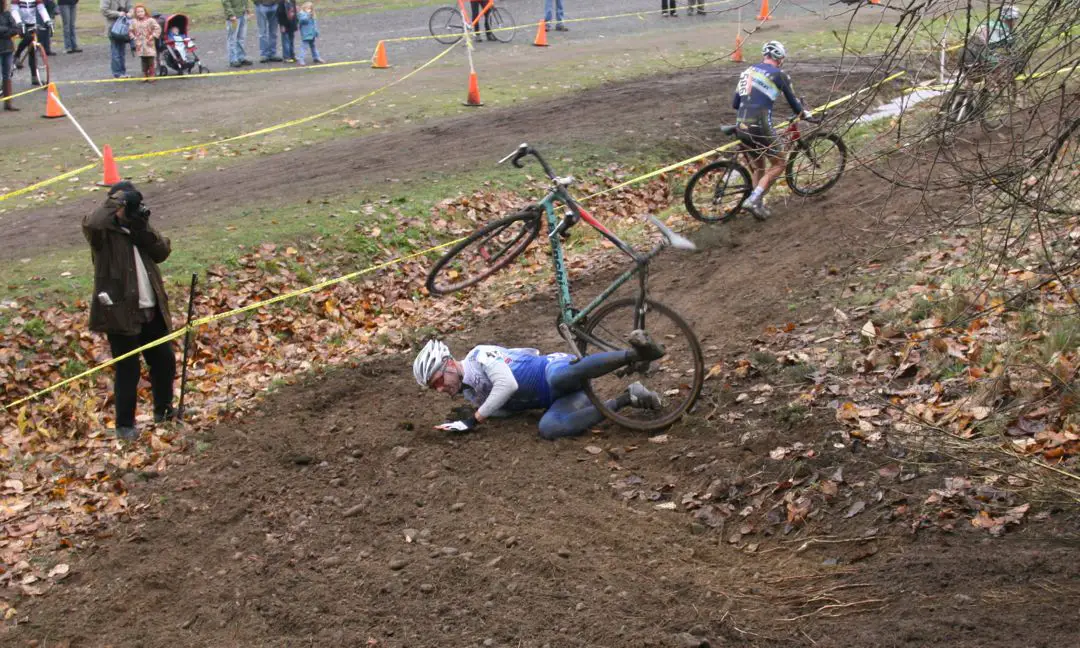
{"type": "Point", "coordinates": [129, 304]}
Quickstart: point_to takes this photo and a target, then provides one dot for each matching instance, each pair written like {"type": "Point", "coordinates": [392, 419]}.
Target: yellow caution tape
{"type": "Point", "coordinates": [25, 92]}
{"type": "Point", "coordinates": [211, 75]}
{"type": "Point", "coordinates": [263, 131]}
{"type": "Point", "coordinates": [348, 277]}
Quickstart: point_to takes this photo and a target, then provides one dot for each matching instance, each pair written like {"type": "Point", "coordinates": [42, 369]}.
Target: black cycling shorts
{"type": "Point", "coordinates": [760, 138]}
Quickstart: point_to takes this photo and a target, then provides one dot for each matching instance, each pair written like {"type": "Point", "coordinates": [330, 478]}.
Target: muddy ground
{"type": "Point", "coordinates": [337, 517]}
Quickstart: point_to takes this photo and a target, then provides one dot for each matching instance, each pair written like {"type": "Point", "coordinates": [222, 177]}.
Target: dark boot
{"type": "Point", "coordinates": [7, 93]}
{"type": "Point", "coordinates": [491, 36]}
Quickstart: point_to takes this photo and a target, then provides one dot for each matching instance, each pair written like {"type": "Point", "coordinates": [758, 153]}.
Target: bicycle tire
{"type": "Point", "coordinates": [42, 64]}
{"type": "Point", "coordinates": [720, 203]}
{"type": "Point", "coordinates": [503, 25]}
{"type": "Point", "coordinates": [805, 148]}
{"type": "Point", "coordinates": [456, 262]}
{"type": "Point", "coordinates": [668, 375]}
{"type": "Point", "coordinates": [446, 25]}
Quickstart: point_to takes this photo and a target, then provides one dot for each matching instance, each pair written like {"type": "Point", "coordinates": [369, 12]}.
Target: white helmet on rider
{"type": "Point", "coordinates": [430, 361]}
{"type": "Point", "coordinates": [1009, 12]}
{"type": "Point", "coordinates": [774, 50]}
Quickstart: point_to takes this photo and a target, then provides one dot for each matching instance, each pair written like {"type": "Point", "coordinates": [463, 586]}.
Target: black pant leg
{"type": "Point", "coordinates": [162, 362]}
{"type": "Point", "coordinates": [23, 44]}
{"type": "Point", "coordinates": [126, 378]}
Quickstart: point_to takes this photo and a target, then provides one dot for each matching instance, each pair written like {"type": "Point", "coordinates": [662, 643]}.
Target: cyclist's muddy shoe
{"type": "Point", "coordinates": [757, 209]}
{"type": "Point", "coordinates": [642, 397]}
{"type": "Point", "coordinates": [644, 348]}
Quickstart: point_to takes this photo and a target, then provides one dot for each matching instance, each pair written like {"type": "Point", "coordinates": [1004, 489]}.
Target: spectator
{"type": "Point", "coordinates": [477, 6]}
{"type": "Point", "coordinates": [667, 8]}
{"type": "Point", "coordinates": [144, 32]}
{"type": "Point", "coordinates": [700, 4]}
{"type": "Point", "coordinates": [559, 26]}
{"type": "Point", "coordinates": [129, 304]}
{"type": "Point", "coordinates": [45, 36]}
{"type": "Point", "coordinates": [9, 27]}
{"type": "Point", "coordinates": [34, 17]}
{"type": "Point", "coordinates": [236, 15]}
{"type": "Point", "coordinates": [114, 10]}
{"type": "Point", "coordinates": [266, 22]}
{"type": "Point", "coordinates": [286, 18]}
{"type": "Point", "coordinates": [67, 14]}
{"type": "Point", "coordinates": [309, 31]}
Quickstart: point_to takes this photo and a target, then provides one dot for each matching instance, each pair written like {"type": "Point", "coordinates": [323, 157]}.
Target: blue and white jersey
{"type": "Point", "coordinates": [760, 85]}
{"type": "Point", "coordinates": [501, 381]}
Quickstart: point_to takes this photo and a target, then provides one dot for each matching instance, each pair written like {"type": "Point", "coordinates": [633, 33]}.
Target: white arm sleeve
{"type": "Point", "coordinates": [43, 13]}
{"type": "Point", "coordinates": [14, 11]}
{"type": "Point", "coordinates": [503, 384]}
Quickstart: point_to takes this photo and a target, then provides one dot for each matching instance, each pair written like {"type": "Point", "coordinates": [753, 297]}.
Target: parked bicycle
{"type": "Point", "coordinates": [604, 324]}
{"type": "Point", "coordinates": [815, 163]}
{"type": "Point", "coordinates": [447, 24]}
{"type": "Point", "coordinates": [40, 72]}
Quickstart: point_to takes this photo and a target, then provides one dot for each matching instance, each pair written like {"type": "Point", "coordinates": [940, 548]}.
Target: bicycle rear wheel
{"type": "Point", "coordinates": [717, 191]}
{"type": "Point", "coordinates": [502, 24]}
{"type": "Point", "coordinates": [41, 64]}
{"type": "Point", "coordinates": [446, 25]}
{"type": "Point", "coordinates": [816, 163]}
{"type": "Point", "coordinates": [486, 251]}
{"type": "Point", "coordinates": [676, 378]}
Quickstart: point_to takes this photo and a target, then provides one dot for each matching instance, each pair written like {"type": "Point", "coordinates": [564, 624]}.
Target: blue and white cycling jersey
{"type": "Point", "coordinates": [760, 85]}
{"type": "Point", "coordinates": [502, 381]}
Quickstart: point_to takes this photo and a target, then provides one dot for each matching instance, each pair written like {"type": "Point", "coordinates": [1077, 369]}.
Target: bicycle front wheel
{"type": "Point", "coordinates": [676, 378]}
{"type": "Point", "coordinates": [502, 25]}
{"type": "Point", "coordinates": [486, 251]}
{"type": "Point", "coordinates": [717, 191]}
{"type": "Point", "coordinates": [816, 164]}
{"type": "Point", "coordinates": [446, 25]}
{"type": "Point", "coordinates": [41, 64]}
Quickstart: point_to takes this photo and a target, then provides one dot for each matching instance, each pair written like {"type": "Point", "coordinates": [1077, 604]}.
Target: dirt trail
{"type": "Point", "coordinates": [655, 110]}
{"type": "Point", "coordinates": [336, 517]}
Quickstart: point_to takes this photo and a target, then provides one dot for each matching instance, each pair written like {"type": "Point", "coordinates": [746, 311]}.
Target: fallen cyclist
{"type": "Point", "coordinates": [501, 382]}
{"type": "Point", "coordinates": [760, 85]}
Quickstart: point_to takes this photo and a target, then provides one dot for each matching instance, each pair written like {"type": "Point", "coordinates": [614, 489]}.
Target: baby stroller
{"type": "Point", "coordinates": [175, 48]}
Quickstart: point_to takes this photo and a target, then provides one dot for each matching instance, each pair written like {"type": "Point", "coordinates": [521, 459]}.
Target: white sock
{"type": "Point", "coordinates": [756, 193]}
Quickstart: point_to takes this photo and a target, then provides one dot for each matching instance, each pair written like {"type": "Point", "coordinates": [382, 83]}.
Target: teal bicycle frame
{"type": "Point", "coordinates": [569, 318]}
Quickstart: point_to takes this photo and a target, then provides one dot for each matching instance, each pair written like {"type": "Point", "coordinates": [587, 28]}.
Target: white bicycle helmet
{"type": "Point", "coordinates": [1010, 12]}
{"type": "Point", "coordinates": [429, 361]}
{"type": "Point", "coordinates": [774, 50]}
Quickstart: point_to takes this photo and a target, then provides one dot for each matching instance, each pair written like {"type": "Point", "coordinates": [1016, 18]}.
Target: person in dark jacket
{"type": "Point", "coordinates": [129, 304]}
{"type": "Point", "coordinates": [287, 23]}
{"type": "Point", "coordinates": [8, 29]}
{"type": "Point", "coordinates": [67, 14]}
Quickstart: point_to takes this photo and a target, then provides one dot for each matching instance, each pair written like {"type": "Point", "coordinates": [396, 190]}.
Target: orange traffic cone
{"type": "Point", "coordinates": [379, 60]}
{"type": "Point", "coordinates": [541, 35]}
{"type": "Point", "coordinates": [763, 15]}
{"type": "Point", "coordinates": [474, 91]}
{"type": "Point", "coordinates": [112, 175]}
{"type": "Point", "coordinates": [52, 103]}
{"type": "Point", "coordinates": [736, 56]}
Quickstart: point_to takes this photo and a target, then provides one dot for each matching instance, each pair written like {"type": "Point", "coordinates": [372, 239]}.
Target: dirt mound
{"type": "Point", "coordinates": [336, 517]}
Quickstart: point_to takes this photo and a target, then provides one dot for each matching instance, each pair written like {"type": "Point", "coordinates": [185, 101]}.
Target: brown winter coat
{"type": "Point", "coordinates": [112, 251]}
{"type": "Point", "coordinates": [143, 32]}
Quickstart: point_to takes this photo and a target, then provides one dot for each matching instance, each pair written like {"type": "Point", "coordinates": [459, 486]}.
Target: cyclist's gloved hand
{"type": "Point", "coordinates": [466, 425]}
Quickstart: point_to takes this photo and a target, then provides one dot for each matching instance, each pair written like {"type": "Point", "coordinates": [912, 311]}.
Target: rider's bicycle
{"type": "Point", "coordinates": [41, 60]}
{"type": "Point", "coordinates": [986, 96]}
{"type": "Point", "coordinates": [815, 162]}
{"type": "Point", "coordinates": [604, 324]}
{"type": "Point", "coordinates": [447, 24]}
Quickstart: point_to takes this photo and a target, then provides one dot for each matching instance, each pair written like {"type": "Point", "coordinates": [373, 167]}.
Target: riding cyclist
{"type": "Point", "coordinates": [990, 43]}
{"type": "Point", "coordinates": [33, 16]}
{"type": "Point", "coordinates": [501, 382]}
{"type": "Point", "coordinates": [759, 86]}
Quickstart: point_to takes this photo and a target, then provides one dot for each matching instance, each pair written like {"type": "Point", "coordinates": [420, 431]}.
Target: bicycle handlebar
{"type": "Point", "coordinates": [522, 151]}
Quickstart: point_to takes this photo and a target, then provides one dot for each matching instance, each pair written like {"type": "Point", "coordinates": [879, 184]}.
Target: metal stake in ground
{"type": "Point", "coordinates": [187, 344]}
